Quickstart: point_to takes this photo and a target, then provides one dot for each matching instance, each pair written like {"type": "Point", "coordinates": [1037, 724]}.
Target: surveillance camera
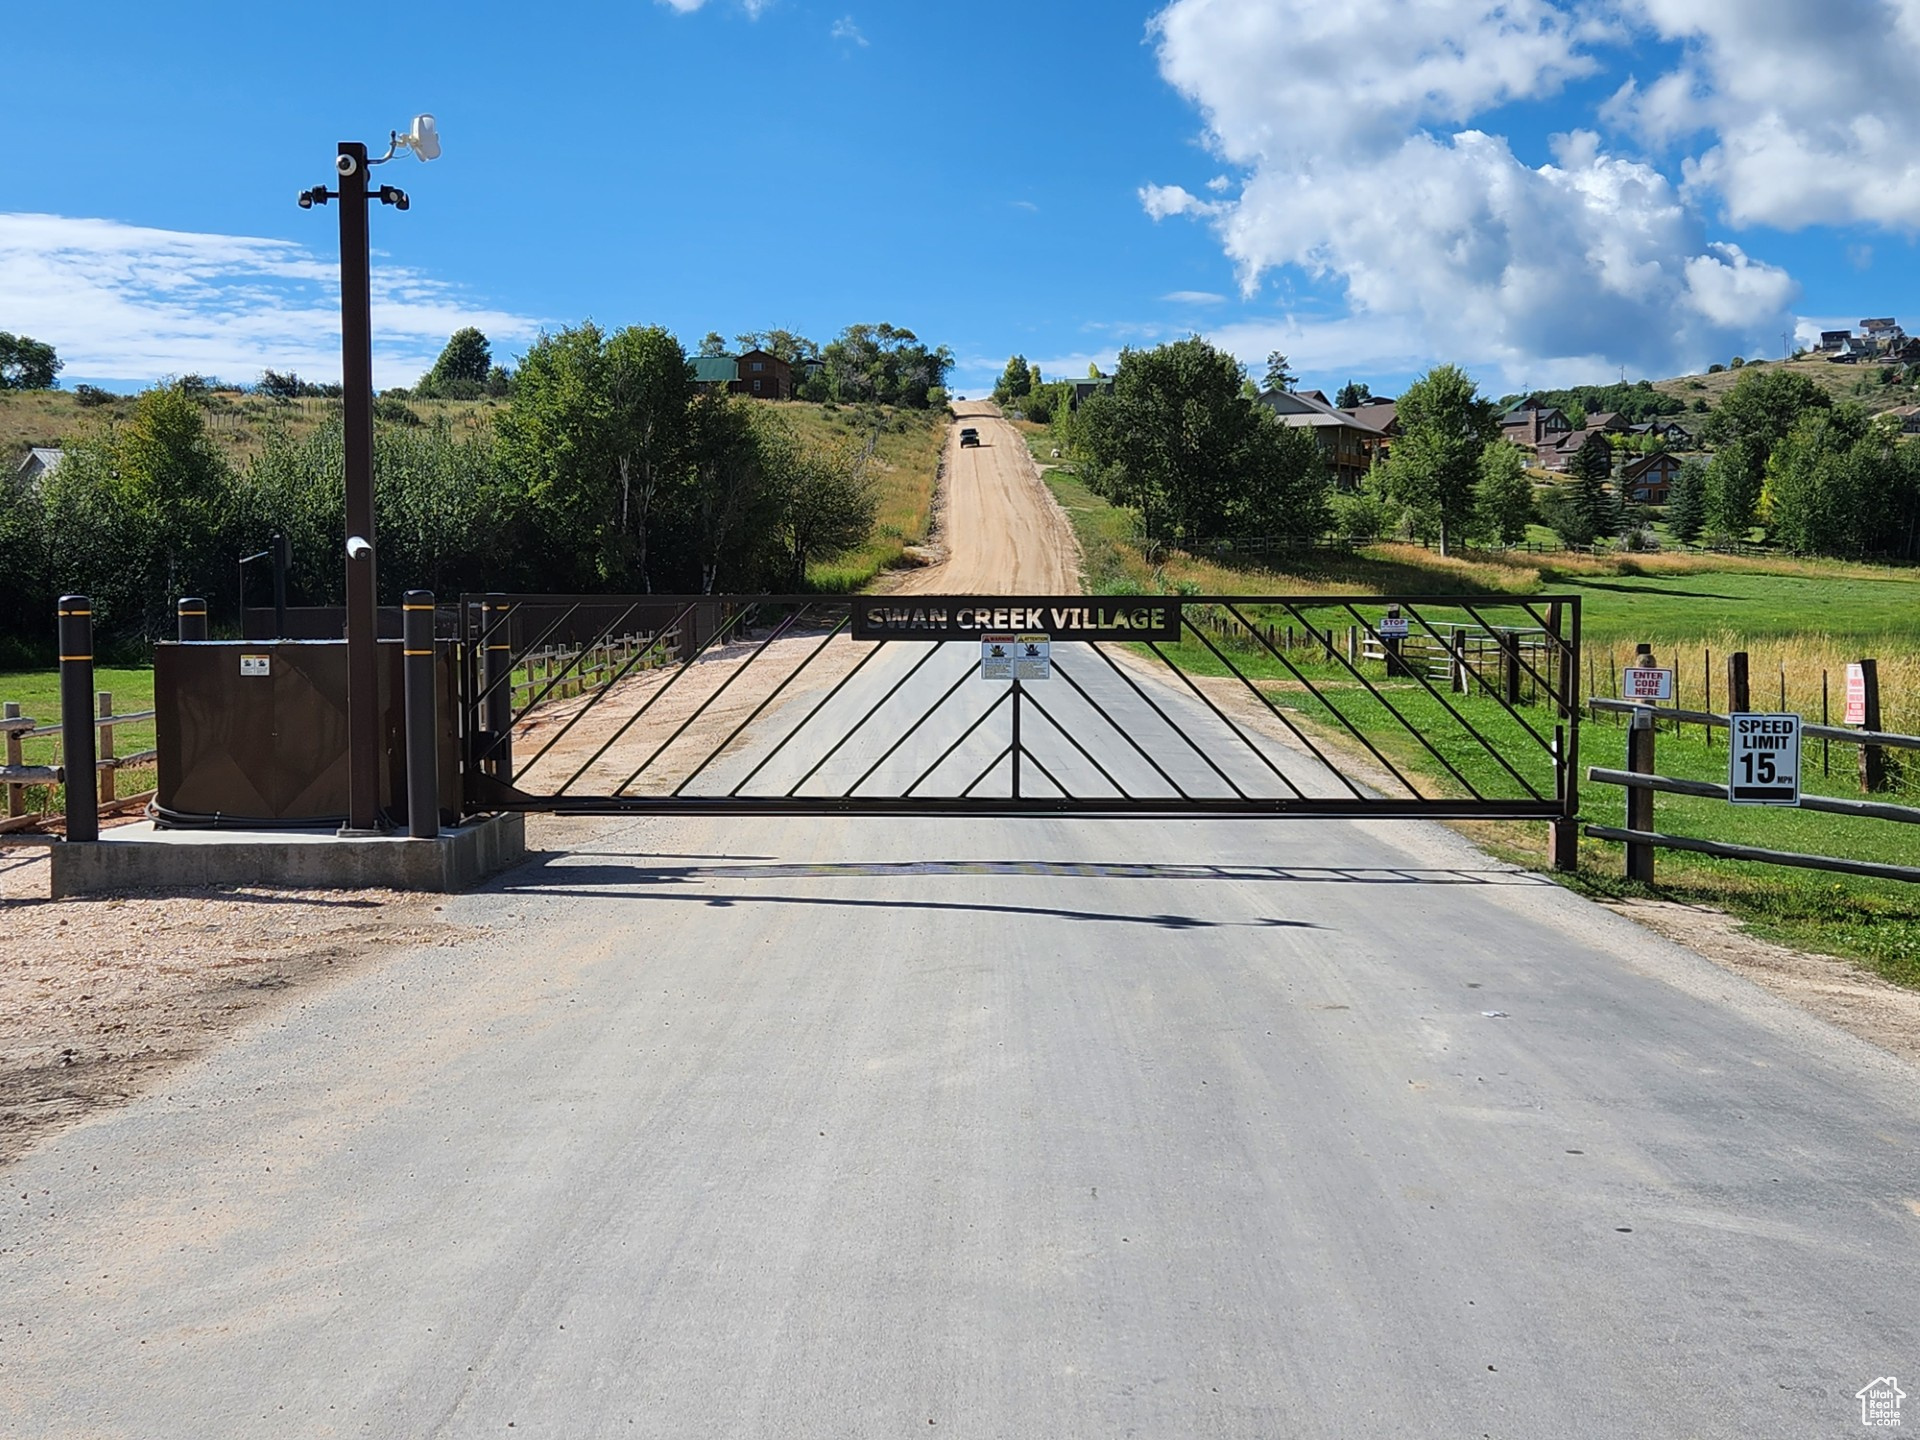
{"type": "Point", "coordinates": [345, 164]}
{"type": "Point", "coordinates": [358, 548]}
{"type": "Point", "coordinates": [306, 200]}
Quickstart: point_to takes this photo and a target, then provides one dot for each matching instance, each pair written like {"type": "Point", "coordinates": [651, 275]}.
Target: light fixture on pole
{"type": "Point", "coordinates": [356, 373]}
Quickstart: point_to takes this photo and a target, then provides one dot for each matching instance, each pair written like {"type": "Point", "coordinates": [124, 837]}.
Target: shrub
{"type": "Point", "coordinates": [88, 396]}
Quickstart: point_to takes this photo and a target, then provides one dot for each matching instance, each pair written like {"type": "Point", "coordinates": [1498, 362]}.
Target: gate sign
{"type": "Point", "coordinates": [974, 617]}
{"type": "Point", "coordinates": [1856, 713]}
{"type": "Point", "coordinates": [1645, 684]}
{"type": "Point", "coordinates": [1393, 627]}
{"type": "Point", "coordinates": [996, 657]}
{"type": "Point", "coordinates": [1032, 657]}
{"type": "Point", "coordinates": [1763, 759]}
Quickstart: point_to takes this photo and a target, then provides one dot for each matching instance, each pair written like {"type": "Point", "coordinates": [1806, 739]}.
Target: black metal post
{"type": "Point", "coordinates": [282, 557]}
{"type": "Point", "coordinates": [356, 374]}
{"type": "Point", "coordinates": [1016, 738]}
{"type": "Point", "coordinates": [76, 717]}
{"type": "Point", "coordinates": [1563, 833]}
{"type": "Point", "coordinates": [193, 617]}
{"type": "Point", "coordinates": [496, 665]}
{"type": "Point", "coordinates": [423, 760]}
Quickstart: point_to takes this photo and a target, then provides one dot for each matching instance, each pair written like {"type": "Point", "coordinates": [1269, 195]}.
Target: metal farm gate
{"type": "Point", "coordinates": [1174, 706]}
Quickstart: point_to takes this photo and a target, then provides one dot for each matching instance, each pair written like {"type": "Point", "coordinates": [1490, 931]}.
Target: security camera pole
{"type": "Point", "coordinates": [356, 375]}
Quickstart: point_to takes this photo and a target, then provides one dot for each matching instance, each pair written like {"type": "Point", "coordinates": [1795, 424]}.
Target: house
{"type": "Point", "coordinates": [1535, 426]}
{"type": "Point", "coordinates": [764, 376]}
{"type": "Point", "coordinates": [1347, 441]}
{"type": "Point", "coordinates": [40, 462]}
{"type": "Point", "coordinates": [1832, 340]}
{"type": "Point", "coordinates": [714, 372]}
{"type": "Point", "coordinates": [1084, 389]}
{"type": "Point", "coordinates": [1670, 433]}
{"type": "Point", "coordinates": [1379, 412]}
{"type": "Point", "coordinates": [1885, 329]}
{"type": "Point", "coordinates": [1649, 479]}
{"type": "Point", "coordinates": [1557, 453]}
{"type": "Point", "coordinates": [1609, 420]}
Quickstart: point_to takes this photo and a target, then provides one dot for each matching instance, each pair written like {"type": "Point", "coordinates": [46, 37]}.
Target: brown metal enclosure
{"type": "Point", "coordinates": [244, 747]}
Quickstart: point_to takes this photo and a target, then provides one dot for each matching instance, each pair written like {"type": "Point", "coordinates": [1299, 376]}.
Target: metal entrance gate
{"type": "Point", "coordinates": [1433, 706]}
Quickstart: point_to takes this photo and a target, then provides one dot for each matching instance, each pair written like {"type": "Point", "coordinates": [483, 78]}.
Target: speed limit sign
{"type": "Point", "coordinates": [1763, 760]}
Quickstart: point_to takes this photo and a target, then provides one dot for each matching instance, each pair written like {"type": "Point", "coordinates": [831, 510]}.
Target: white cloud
{"type": "Point", "coordinates": [1161, 201]}
{"type": "Point", "coordinates": [844, 29]}
{"type": "Point", "coordinates": [1024, 205]}
{"type": "Point", "coordinates": [133, 303]}
{"type": "Point", "coordinates": [1810, 112]}
{"type": "Point", "coordinates": [754, 8]}
{"type": "Point", "coordinates": [1195, 297]}
{"type": "Point", "coordinates": [1352, 122]}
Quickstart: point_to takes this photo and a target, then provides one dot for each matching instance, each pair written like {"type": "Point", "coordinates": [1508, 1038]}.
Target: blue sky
{"type": "Point", "coordinates": [1546, 192]}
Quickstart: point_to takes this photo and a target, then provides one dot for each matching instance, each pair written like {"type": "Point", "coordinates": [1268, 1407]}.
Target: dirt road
{"type": "Point", "coordinates": [1000, 529]}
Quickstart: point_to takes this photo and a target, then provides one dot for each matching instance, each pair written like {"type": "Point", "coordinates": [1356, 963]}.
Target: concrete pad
{"type": "Point", "coordinates": [141, 857]}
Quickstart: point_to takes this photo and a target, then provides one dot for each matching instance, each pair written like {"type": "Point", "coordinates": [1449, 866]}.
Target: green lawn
{"type": "Point", "coordinates": [1805, 618]}
{"type": "Point", "coordinates": [1756, 606]}
{"type": "Point", "coordinates": [38, 693]}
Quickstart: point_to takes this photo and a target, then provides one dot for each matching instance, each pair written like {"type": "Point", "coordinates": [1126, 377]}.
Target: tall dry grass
{"type": "Point", "coordinates": [1784, 672]}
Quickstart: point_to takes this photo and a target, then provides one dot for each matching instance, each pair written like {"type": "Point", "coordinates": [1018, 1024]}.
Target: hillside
{"type": "Point", "coordinates": [1859, 382]}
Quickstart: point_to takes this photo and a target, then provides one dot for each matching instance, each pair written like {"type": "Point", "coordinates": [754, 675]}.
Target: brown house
{"type": "Point", "coordinates": [763, 376]}
{"type": "Point", "coordinates": [1649, 480]}
{"type": "Point", "coordinates": [1348, 441]}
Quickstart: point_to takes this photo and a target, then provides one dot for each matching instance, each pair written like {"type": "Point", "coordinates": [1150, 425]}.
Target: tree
{"type": "Point", "coordinates": [1445, 424]}
{"type": "Point", "coordinates": [649, 385]}
{"type": "Point", "coordinates": [1756, 414]}
{"type": "Point", "coordinates": [595, 427]}
{"type": "Point", "coordinates": [731, 504]}
{"type": "Point", "coordinates": [1279, 377]}
{"type": "Point", "coordinates": [1592, 468]}
{"type": "Point", "coordinates": [26, 363]}
{"type": "Point", "coordinates": [885, 364]}
{"type": "Point", "coordinates": [1016, 381]}
{"type": "Point", "coordinates": [1176, 442]}
{"type": "Point", "coordinates": [1503, 497]}
{"type": "Point", "coordinates": [1840, 483]}
{"type": "Point", "coordinates": [1351, 395]}
{"type": "Point", "coordinates": [283, 388]}
{"type": "Point", "coordinates": [712, 345]}
{"type": "Point", "coordinates": [792, 348]}
{"type": "Point", "coordinates": [1687, 502]}
{"type": "Point", "coordinates": [136, 518]}
{"type": "Point", "coordinates": [824, 502]}
{"type": "Point", "coordinates": [461, 371]}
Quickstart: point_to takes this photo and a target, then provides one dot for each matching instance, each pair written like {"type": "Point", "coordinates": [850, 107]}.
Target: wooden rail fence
{"type": "Point", "coordinates": [560, 672]}
{"type": "Point", "coordinates": [16, 776]}
{"type": "Point", "coordinates": [1642, 783]}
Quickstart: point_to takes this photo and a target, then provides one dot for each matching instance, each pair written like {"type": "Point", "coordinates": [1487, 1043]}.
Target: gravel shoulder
{"type": "Point", "coordinates": [100, 996]}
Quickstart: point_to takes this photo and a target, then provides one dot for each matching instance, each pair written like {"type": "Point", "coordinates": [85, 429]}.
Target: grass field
{"type": "Point", "coordinates": [906, 462]}
{"type": "Point", "coordinates": [38, 695]}
{"type": "Point", "coordinates": [1793, 618]}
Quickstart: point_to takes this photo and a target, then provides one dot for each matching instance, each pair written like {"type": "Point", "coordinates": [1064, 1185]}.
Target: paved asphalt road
{"type": "Point", "coordinates": [980, 1128]}
{"type": "Point", "coordinates": [989, 1128]}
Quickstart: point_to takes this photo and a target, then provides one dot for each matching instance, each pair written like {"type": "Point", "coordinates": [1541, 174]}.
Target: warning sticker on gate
{"type": "Point", "coordinates": [1763, 759]}
{"type": "Point", "coordinates": [996, 657]}
{"type": "Point", "coordinates": [1393, 627]}
{"type": "Point", "coordinates": [1032, 657]}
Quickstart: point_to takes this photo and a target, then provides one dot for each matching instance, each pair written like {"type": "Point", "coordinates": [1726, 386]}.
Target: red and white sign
{"type": "Point", "coordinates": [1645, 684]}
{"type": "Point", "coordinates": [1856, 697]}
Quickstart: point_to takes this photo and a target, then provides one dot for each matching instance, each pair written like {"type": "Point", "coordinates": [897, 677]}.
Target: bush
{"type": "Point", "coordinates": [395, 411]}
{"type": "Point", "coordinates": [88, 396]}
